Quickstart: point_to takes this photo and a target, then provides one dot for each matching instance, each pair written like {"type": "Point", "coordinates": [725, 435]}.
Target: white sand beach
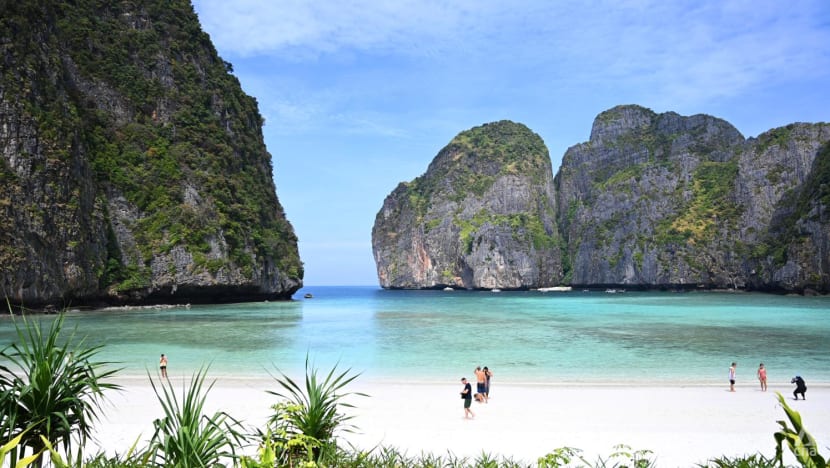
{"type": "Point", "coordinates": [681, 425]}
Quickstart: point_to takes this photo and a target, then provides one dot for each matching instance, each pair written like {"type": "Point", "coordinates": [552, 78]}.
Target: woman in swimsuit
{"type": "Point", "coordinates": [762, 377]}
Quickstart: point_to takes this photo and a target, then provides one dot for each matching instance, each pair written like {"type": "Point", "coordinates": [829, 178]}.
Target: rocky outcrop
{"type": "Point", "coordinates": [133, 167]}
{"type": "Point", "coordinates": [481, 217]}
{"type": "Point", "coordinates": [783, 181]}
{"type": "Point", "coordinates": [650, 201]}
{"type": "Point", "coordinates": [662, 200]}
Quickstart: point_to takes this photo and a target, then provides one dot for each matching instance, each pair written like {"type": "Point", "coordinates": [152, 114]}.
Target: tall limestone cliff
{"type": "Point", "coordinates": [784, 181]}
{"type": "Point", "coordinates": [133, 167]}
{"type": "Point", "coordinates": [661, 200]}
{"type": "Point", "coordinates": [481, 217]}
{"type": "Point", "coordinates": [650, 201]}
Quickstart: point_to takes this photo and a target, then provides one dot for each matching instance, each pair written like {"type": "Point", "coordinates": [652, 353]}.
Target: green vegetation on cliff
{"type": "Point", "coordinates": [475, 158]}
{"type": "Point", "coordinates": [523, 225]}
{"type": "Point", "coordinates": [710, 207]}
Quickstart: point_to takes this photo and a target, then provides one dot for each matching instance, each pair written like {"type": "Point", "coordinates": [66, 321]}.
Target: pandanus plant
{"type": "Point", "coordinates": [187, 437]}
{"type": "Point", "coordinates": [310, 414]}
{"type": "Point", "coordinates": [51, 387]}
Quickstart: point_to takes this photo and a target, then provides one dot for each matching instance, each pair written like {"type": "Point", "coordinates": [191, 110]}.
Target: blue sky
{"type": "Point", "coordinates": [359, 95]}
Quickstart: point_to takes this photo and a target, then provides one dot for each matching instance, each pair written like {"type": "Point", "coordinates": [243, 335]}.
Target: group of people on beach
{"type": "Point", "coordinates": [482, 394]}
{"type": "Point", "coordinates": [800, 385]}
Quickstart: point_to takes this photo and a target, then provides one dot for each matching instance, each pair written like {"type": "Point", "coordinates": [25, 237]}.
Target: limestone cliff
{"type": "Point", "coordinates": [481, 217]}
{"type": "Point", "coordinates": [133, 167]}
{"type": "Point", "coordinates": [650, 201]}
{"type": "Point", "coordinates": [662, 200]}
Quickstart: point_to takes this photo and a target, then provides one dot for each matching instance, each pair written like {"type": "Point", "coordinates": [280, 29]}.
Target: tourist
{"type": "Point", "coordinates": [489, 374]}
{"type": "Point", "coordinates": [481, 382]}
{"type": "Point", "coordinates": [800, 387]}
{"type": "Point", "coordinates": [762, 377]}
{"type": "Point", "coordinates": [163, 366]}
{"type": "Point", "coordinates": [732, 376]}
{"type": "Point", "coordinates": [467, 395]}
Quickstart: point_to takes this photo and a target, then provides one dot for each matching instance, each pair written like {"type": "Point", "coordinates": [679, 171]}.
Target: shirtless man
{"type": "Point", "coordinates": [481, 382]}
{"type": "Point", "coordinates": [489, 374]}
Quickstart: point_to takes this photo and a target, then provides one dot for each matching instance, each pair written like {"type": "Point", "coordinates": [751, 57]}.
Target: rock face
{"type": "Point", "coordinates": [650, 201]}
{"type": "Point", "coordinates": [661, 200]}
{"type": "Point", "coordinates": [133, 167]}
{"type": "Point", "coordinates": [481, 217]}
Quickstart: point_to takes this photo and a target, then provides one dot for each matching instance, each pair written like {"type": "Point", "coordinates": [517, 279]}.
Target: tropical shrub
{"type": "Point", "coordinates": [51, 387]}
{"type": "Point", "coordinates": [186, 437]}
{"type": "Point", "coordinates": [801, 444]}
{"type": "Point", "coordinates": [10, 447]}
{"type": "Point", "coordinates": [303, 425]}
{"type": "Point", "coordinates": [623, 456]}
{"type": "Point", "coordinates": [755, 460]}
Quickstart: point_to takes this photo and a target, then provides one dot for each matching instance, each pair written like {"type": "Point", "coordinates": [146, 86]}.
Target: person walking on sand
{"type": "Point", "coordinates": [163, 366]}
{"type": "Point", "coordinates": [481, 382]}
{"type": "Point", "coordinates": [467, 395]}
{"type": "Point", "coordinates": [732, 376]}
{"type": "Point", "coordinates": [488, 373]}
{"type": "Point", "coordinates": [762, 377]}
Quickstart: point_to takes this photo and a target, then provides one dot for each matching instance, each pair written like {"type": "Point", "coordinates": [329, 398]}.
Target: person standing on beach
{"type": "Point", "coordinates": [488, 373]}
{"type": "Point", "coordinates": [163, 366]}
{"type": "Point", "coordinates": [467, 395]}
{"type": "Point", "coordinates": [762, 377]}
{"type": "Point", "coordinates": [481, 382]}
{"type": "Point", "coordinates": [732, 376]}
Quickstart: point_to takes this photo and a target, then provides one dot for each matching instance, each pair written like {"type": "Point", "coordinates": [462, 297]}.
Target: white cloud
{"type": "Point", "coordinates": [682, 54]}
{"type": "Point", "coordinates": [308, 28]}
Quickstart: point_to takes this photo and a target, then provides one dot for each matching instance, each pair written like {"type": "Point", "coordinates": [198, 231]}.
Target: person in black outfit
{"type": "Point", "coordinates": [467, 395]}
{"type": "Point", "coordinates": [800, 387]}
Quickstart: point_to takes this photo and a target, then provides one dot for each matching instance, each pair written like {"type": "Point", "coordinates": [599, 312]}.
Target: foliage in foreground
{"type": "Point", "coordinates": [623, 456]}
{"type": "Point", "coordinates": [51, 388]}
{"type": "Point", "coordinates": [302, 427]}
{"type": "Point", "coordinates": [756, 460]}
{"type": "Point", "coordinates": [801, 444]}
{"type": "Point", "coordinates": [185, 436]}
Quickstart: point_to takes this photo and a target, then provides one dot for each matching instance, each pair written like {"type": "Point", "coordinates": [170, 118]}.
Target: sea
{"type": "Point", "coordinates": [527, 337]}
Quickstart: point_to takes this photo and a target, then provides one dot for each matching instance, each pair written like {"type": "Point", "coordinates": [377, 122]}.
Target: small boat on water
{"type": "Point", "coordinates": [307, 295]}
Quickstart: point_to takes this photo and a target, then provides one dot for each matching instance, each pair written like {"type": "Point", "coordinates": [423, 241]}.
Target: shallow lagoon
{"type": "Point", "coordinates": [525, 337]}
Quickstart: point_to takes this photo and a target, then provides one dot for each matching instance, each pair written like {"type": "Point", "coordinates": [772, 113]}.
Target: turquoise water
{"type": "Point", "coordinates": [527, 337]}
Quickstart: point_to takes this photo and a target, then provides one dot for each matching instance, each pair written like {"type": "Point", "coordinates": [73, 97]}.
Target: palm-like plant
{"type": "Point", "coordinates": [315, 408]}
{"type": "Point", "coordinates": [50, 387]}
{"type": "Point", "coordinates": [185, 437]}
{"type": "Point", "coordinates": [802, 445]}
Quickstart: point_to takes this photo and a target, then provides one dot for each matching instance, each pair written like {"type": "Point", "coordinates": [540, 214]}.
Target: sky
{"type": "Point", "coordinates": [360, 95]}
